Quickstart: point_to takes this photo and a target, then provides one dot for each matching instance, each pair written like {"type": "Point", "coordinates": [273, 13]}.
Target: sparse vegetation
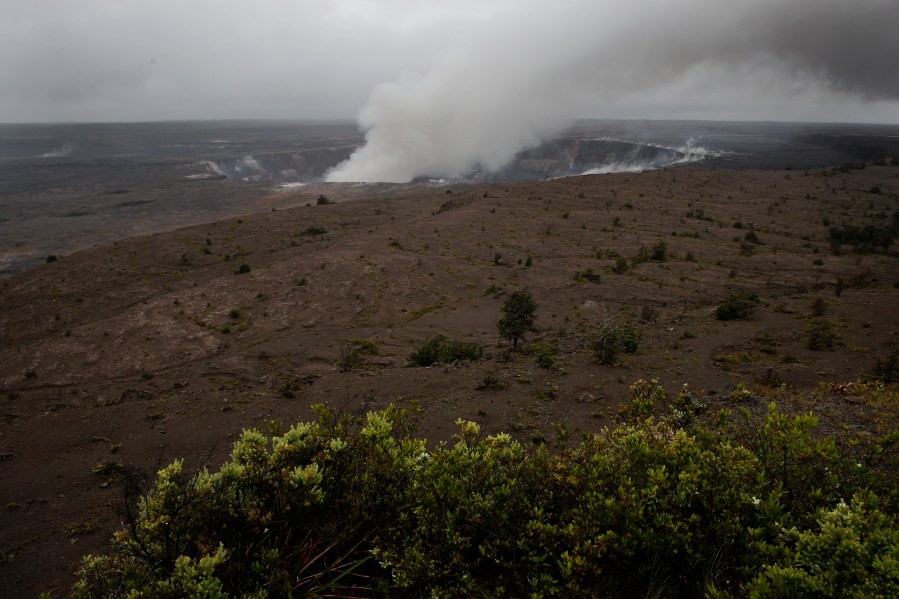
{"type": "Point", "coordinates": [821, 335]}
{"type": "Point", "coordinates": [737, 306]}
{"type": "Point", "coordinates": [620, 266]}
{"type": "Point", "coordinates": [587, 276]}
{"type": "Point", "coordinates": [312, 231]}
{"type": "Point", "coordinates": [868, 239]}
{"type": "Point", "coordinates": [491, 381]}
{"type": "Point", "coordinates": [611, 339]}
{"type": "Point", "coordinates": [352, 354]}
{"type": "Point", "coordinates": [350, 358]}
{"type": "Point", "coordinates": [818, 306]}
{"type": "Point", "coordinates": [887, 368]}
{"type": "Point", "coordinates": [544, 353]}
{"type": "Point", "coordinates": [92, 332]}
{"type": "Point", "coordinates": [440, 350]}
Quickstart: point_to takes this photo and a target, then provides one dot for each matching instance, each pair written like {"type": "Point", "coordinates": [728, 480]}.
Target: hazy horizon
{"type": "Point", "coordinates": [439, 87]}
{"type": "Point", "coordinates": [352, 120]}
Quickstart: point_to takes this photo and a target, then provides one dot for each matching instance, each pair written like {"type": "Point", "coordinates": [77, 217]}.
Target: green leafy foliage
{"type": "Point", "coordinates": [761, 504]}
{"type": "Point", "coordinates": [853, 551]}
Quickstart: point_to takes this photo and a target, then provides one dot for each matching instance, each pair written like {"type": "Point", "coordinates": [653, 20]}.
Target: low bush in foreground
{"type": "Point", "coordinates": [762, 504]}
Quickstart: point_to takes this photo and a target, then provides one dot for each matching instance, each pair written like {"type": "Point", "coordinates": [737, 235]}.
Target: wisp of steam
{"type": "Point", "coordinates": [527, 73]}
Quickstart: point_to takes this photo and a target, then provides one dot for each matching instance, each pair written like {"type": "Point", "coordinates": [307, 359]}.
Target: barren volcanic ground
{"type": "Point", "coordinates": [154, 348]}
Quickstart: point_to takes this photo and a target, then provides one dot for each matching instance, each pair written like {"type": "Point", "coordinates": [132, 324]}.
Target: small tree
{"type": "Point", "coordinates": [519, 313]}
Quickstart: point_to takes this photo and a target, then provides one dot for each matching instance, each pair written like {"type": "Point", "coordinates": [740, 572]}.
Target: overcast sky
{"type": "Point", "coordinates": [124, 60]}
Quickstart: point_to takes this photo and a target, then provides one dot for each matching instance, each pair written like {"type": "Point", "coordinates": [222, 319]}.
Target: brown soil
{"type": "Point", "coordinates": [131, 353]}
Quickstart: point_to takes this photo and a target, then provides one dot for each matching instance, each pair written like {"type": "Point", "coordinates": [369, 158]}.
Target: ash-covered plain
{"type": "Point", "coordinates": [67, 187]}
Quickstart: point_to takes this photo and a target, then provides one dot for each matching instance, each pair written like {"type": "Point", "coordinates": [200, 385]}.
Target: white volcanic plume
{"type": "Point", "coordinates": [520, 77]}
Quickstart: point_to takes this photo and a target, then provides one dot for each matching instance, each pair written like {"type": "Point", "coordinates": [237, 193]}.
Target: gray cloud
{"type": "Point", "coordinates": [108, 60]}
{"type": "Point", "coordinates": [441, 86]}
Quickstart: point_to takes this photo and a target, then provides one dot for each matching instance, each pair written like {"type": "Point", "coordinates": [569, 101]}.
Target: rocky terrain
{"type": "Point", "coordinates": [126, 356]}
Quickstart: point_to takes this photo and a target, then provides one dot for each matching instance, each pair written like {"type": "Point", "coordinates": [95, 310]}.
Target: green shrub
{"type": "Point", "coordinates": [266, 522]}
{"type": "Point", "coordinates": [544, 353]}
{"type": "Point", "coordinates": [853, 551]}
{"type": "Point", "coordinates": [745, 505]}
{"type": "Point", "coordinates": [737, 306]}
{"type": "Point", "coordinates": [440, 350]}
{"type": "Point", "coordinates": [645, 396]}
{"type": "Point", "coordinates": [611, 339]}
